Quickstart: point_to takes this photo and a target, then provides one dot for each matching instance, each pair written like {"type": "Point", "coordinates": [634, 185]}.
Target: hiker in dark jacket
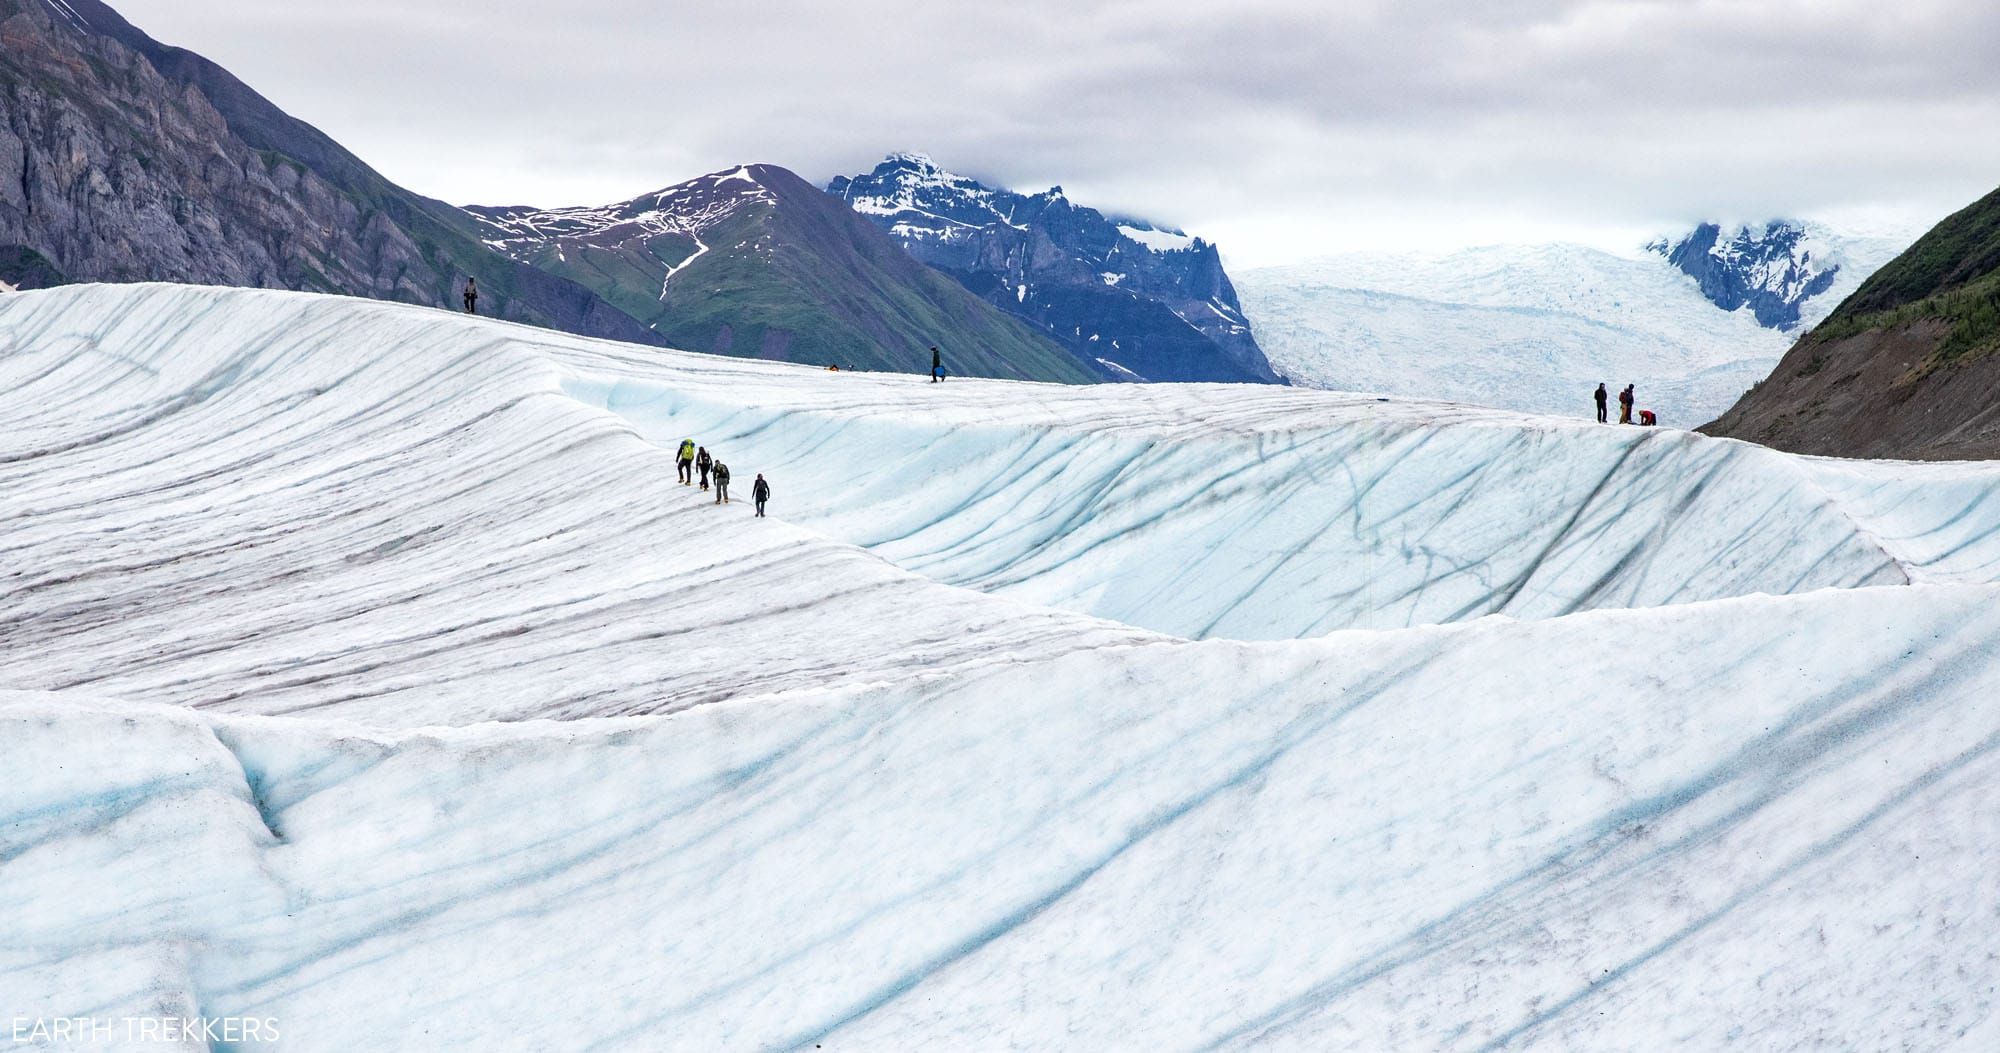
{"type": "Point", "coordinates": [721, 475]}
{"type": "Point", "coordinates": [937, 365]}
{"type": "Point", "coordinates": [702, 463]}
{"type": "Point", "coordinates": [1600, 396]}
{"type": "Point", "coordinates": [1625, 405]}
{"type": "Point", "coordinates": [471, 296]}
{"type": "Point", "coordinates": [760, 492]}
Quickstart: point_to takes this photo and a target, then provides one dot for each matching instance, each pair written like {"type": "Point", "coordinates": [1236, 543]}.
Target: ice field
{"type": "Point", "coordinates": [364, 668]}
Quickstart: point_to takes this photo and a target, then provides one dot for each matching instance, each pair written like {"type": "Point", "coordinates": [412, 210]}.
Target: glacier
{"type": "Point", "coordinates": [366, 670]}
{"type": "Point", "coordinates": [1535, 327]}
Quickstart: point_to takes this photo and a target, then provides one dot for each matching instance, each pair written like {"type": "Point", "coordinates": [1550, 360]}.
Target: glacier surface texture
{"type": "Point", "coordinates": [365, 668]}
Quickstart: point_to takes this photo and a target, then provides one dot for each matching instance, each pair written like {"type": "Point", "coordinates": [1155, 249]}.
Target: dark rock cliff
{"type": "Point", "coordinates": [122, 159]}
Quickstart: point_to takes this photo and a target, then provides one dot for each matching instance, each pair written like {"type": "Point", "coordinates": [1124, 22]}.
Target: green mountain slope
{"type": "Point", "coordinates": [756, 262]}
{"type": "Point", "coordinates": [1907, 367]}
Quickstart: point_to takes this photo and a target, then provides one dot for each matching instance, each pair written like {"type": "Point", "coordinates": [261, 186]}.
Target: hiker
{"type": "Point", "coordinates": [937, 365]}
{"type": "Point", "coordinates": [1600, 396]}
{"type": "Point", "coordinates": [760, 492]}
{"type": "Point", "coordinates": [471, 295]}
{"type": "Point", "coordinates": [1647, 419]}
{"type": "Point", "coordinates": [702, 463]}
{"type": "Point", "coordinates": [721, 474]}
{"type": "Point", "coordinates": [1625, 405]}
{"type": "Point", "coordinates": [685, 460]}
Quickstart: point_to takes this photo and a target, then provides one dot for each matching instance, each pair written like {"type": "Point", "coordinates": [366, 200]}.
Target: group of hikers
{"type": "Point", "coordinates": [693, 460]}
{"type": "Point", "coordinates": [1625, 400]}
{"type": "Point", "coordinates": [697, 460]}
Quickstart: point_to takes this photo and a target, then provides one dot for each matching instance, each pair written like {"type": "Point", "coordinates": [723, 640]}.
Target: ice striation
{"type": "Point", "coordinates": [1036, 719]}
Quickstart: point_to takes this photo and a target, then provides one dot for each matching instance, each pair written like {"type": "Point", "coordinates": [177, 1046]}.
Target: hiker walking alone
{"type": "Point", "coordinates": [760, 492]}
{"type": "Point", "coordinates": [471, 295]}
{"type": "Point", "coordinates": [1600, 396]}
{"type": "Point", "coordinates": [937, 365]}
{"type": "Point", "coordinates": [1625, 405]}
{"type": "Point", "coordinates": [721, 474]}
{"type": "Point", "coordinates": [702, 463]}
{"type": "Point", "coordinates": [685, 460]}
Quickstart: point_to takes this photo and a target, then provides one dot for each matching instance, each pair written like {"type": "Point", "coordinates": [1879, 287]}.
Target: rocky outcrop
{"type": "Point", "coordinates": [122, 160]}
{"type": "Point", "coordinates": [1130, 300]}
{"type": "Point", "coordinates": [1771, 269]}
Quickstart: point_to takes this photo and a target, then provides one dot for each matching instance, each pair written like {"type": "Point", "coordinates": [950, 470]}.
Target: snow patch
{"type": "Point", "coordinates": [1157, 240]}
{"type": "Point", "coordinates": [68, 14]}
{"type": "Point", "coordinates": [1120, 371]}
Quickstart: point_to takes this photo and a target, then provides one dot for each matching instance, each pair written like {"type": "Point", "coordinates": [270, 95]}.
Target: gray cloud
{"type": "Point", "coordinates": [1282, 127]}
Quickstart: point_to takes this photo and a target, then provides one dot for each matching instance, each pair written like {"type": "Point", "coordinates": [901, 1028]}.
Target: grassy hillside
{"type": "Point", "coordinates": [1951, 277]}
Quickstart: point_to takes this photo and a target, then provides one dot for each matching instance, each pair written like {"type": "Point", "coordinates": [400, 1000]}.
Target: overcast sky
{"type": "Point", "coordinates": [1280, 128]}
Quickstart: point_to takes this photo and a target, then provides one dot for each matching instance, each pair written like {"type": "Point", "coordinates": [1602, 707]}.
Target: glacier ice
{"type": "Point", "coordinates": [1530, 327]}
{"type": "Point", "coordinates": [366, 669]}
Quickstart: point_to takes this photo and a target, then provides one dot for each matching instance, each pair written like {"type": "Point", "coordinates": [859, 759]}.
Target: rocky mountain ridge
{"type": "Point", "coordinates": [1131, 300]}
{"type": "Point", "coordinates": [1772, 268]}
{"type": "Point", "coordinates": [123, 159]}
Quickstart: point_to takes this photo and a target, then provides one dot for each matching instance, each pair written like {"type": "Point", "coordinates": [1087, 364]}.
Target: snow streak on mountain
{"type": "Point", "coordinates": [366, 663]}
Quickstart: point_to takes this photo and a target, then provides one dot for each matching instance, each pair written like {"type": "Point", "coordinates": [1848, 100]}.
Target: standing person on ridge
{"type": "Point", "coordinates": [1601, 395]}
{"type": "Point", "coordinates": [760, 492]}
{"type": "Point", "coordinates": [702, 463]}
{"type": "Point", "coordinates": [721, 474]}
{"type": "Point", "coordinates": [937, 365]}
{"type": "Point", "coordinates": [471, 295]}
{"type": "Point", "coordinates": [685, 461]}
{"type": "Point", "coordinates": [1625, 405]}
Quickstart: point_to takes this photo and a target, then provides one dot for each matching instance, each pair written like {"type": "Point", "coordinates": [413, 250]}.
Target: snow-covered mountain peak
{"type": "Point", "coordinates": [916, 161]}
{"type": "Point", "coordinates": [1133, 299]}
{"type": "Point", "coordinates": [684, 209]}
{"type": "Point", "coordinates": [1772, 267]}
